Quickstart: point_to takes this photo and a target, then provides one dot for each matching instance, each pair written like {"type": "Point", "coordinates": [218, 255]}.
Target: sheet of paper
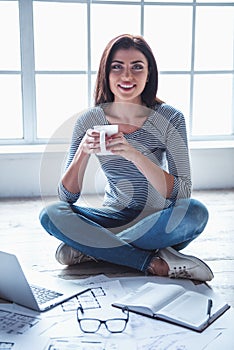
{"type": "Point", "coordinates": [100, 295]}
{"type": "Point", "coordinates": [17, 321]}
{"type": "Point", "coordinates": [129, 283]}
{"type": "Point", "coordinates": [93, 279]}
{"type": "Point", "coordinates": [224, 340]}
{"type": "Point", "coordinates": [22, 329]}
{"type": "Point", "coordinates": [23, 342]}
{"type": "Point", "coordinates": [92, 342]}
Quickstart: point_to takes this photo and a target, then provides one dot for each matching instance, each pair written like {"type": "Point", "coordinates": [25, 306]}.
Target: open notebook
{"type": "Point", "coordinates": [175, 304]}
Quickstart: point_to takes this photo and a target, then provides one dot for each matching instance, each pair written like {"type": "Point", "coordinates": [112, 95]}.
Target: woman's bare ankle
{"type": "Point", "coordinates": [158, 267]}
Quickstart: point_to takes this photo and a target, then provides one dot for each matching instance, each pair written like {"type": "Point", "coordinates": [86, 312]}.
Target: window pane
{"type": "Point", "coordinates": [9, 36]}
{"type": "Point", "coordinates": [60, 36]}
{"type": "Point", "coordinates": [169, 1]}
{"type": "Point", "coordinates": [214, 42]}
{"type": "Point", "coordinates": [115, 1]}
{"type": "Point", "coordinates": [174, 90]}
{"type": "Point", "coordinates": [168, 30]}
{"type": "Point", "coordinates": [220, 1]}
{"type": "Point", "coordinates": [108, 21]}
{"type": "Point", "coordinates": [59, 97]}
{"type": "Point", "coordinates": [10, 107]}
{"type": "Point", "coordinates": [212, 105]}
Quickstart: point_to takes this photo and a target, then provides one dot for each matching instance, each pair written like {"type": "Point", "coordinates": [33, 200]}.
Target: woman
{"type": "Point", "coordinates": [147, 215]}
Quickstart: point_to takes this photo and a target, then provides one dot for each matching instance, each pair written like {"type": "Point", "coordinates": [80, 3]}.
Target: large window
{"type": "Point", "coordinates": [50, 52]}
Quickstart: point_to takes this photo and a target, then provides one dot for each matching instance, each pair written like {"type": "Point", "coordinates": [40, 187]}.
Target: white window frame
{"type": "Point", "coordinates": [28, 64]}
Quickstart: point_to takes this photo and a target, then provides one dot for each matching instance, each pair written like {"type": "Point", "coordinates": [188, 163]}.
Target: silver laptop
{"type": "Point", "coordinates": [46, 293]}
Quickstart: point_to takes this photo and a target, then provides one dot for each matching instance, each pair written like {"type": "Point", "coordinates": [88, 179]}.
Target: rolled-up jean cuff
{"type": "Point", "coordinates": [147, 261]}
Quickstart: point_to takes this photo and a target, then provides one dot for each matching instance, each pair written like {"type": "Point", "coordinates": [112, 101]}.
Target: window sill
{"type": "Point", "coordinates": [31, 149]}
{"type": "Point", "coordinates": [57, 148]}
{"type": "Point", "coordinates": [214, 144]}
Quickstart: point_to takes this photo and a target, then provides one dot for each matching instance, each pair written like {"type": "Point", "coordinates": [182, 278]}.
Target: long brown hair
{"type": "Point", "coordinates": [103, 93]}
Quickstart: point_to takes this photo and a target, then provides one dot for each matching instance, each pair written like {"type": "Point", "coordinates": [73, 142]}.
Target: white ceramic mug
{"type": "Point", "coordinates": [104, 130]}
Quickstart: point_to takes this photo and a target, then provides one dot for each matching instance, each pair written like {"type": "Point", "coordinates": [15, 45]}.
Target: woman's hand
{"type": "Point", "coordinates": [90, 143]}
{"type": "Point", "coordinates": [118, 145]}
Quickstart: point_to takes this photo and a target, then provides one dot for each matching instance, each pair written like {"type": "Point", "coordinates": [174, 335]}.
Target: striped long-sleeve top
{"type": "Point", "coordinates": [162, 138]}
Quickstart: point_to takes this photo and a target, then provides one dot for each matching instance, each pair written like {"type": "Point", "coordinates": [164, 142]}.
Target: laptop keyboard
{"type": "Point", "coordinates": [44, 295]}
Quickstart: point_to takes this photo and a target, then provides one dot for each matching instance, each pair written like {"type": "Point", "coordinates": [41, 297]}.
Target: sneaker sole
{"type": "Point", "coordinates": [58, 251]}
{"type": "Point", "coordinates": [195, 260]}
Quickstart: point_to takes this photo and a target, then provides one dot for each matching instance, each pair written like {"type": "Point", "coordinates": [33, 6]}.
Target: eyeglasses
{"type": "Point", "coordinates": [92, 325]}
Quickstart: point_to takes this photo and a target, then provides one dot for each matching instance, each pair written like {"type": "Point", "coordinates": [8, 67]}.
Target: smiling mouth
{"type": "Point", "coordinates": [126, 87]}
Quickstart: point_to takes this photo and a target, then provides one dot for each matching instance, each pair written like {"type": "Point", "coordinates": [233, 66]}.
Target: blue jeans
{"type": "Point", "coordinates": [125, 237]}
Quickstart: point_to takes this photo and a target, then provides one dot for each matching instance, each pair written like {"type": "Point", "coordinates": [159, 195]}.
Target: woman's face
{"type": "Point", "coordinates": [128, 75]}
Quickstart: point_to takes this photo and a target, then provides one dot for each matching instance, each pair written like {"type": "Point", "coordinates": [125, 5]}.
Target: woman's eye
{"type": "Point", "coordinates": [137, 67]}
{"type": "Point", "coordinates": [116, 67]}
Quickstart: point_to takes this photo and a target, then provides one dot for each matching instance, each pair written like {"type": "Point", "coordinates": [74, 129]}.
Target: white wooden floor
{"type": "Point", "coordinates": [21, 233]}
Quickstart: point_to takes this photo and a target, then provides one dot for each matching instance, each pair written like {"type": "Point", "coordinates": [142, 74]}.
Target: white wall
{"type": "Point", "coordinates": [29, 171]}
{"type": "Point", "coordinates": [212, 168]}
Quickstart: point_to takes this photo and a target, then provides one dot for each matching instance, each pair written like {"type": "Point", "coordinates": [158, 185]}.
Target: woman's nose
{"type": "Point", "coordinates": [126, 73]}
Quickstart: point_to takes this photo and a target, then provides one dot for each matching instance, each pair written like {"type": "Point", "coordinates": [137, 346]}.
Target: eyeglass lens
{"type": "Point", "coordinates": [93, 325]}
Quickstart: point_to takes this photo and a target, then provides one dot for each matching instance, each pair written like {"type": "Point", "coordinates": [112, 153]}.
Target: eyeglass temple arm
{"type": "Point", "coordinates": [81, 309]}
{"type": "Point", "coordinates": [125, 310]}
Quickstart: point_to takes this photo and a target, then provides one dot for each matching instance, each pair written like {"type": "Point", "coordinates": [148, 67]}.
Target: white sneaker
{"type": "Point", "coordinates": [185, 266]}
{"type": "Point", "coordinates": [66, 255]}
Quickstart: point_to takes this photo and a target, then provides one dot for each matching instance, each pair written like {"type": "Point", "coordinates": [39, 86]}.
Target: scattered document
{"type": "Point", "coordinates": [92, 342]}
{"type": "Point", "coordinates": [16, 323]}
{"type": "Point", "coordinates": [19, 321]}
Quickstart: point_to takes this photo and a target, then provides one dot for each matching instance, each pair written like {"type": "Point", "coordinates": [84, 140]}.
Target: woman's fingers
{"type": "Point", "coordinates": [91, 142]}
{"type": "Point", "coordinates": [119, 145]}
